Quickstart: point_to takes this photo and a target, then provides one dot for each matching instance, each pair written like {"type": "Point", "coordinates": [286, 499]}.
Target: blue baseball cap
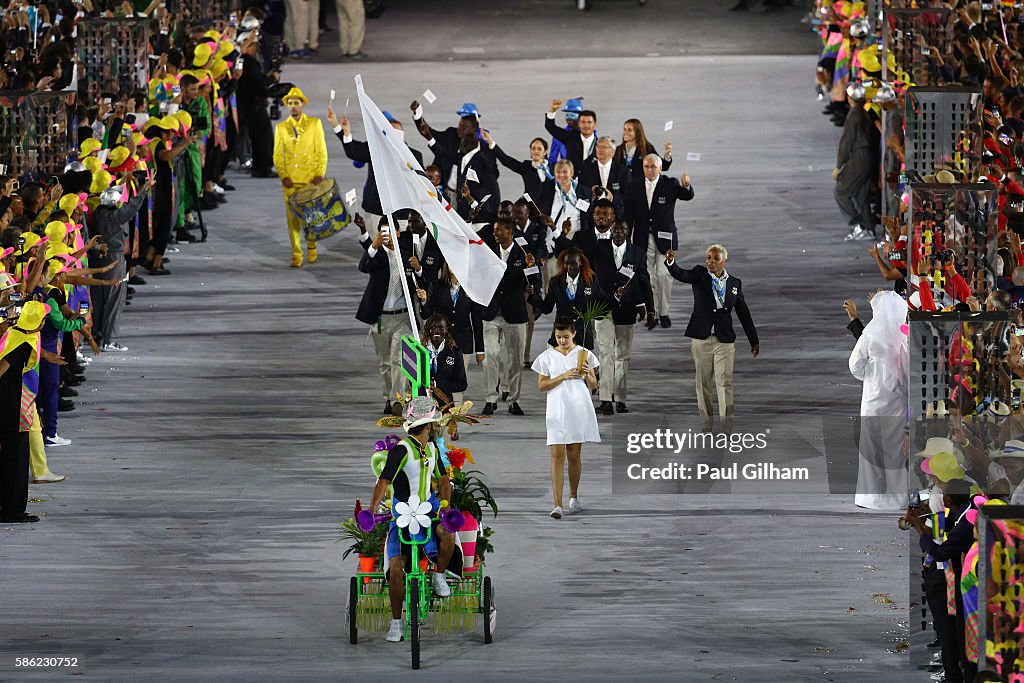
{"type": "Point", "coordinates": [573, 108]}
{"type": "Point", "coordinates": [468, 109]}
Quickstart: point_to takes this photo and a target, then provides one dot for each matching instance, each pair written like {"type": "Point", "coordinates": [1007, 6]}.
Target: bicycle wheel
{"type": "Point", "coordinates": [487, 607]}
{"type": "Point", "coordinates": [353, 602]}
{"type": "Point", "coordinates": [413, 604]}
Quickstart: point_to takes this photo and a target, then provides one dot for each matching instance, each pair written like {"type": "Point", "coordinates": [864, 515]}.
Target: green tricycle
{"type": "Point", "coordinates": [369, 605]}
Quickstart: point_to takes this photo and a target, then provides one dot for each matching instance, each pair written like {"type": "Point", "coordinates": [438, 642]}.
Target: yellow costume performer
{"type": "Point", "coordinates": [300, 157]}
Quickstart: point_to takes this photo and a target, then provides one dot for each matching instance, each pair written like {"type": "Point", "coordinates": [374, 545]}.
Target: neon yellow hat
{"type": "Point", "coordinates": [89, 147]}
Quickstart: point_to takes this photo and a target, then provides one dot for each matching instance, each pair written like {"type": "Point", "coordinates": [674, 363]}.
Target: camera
{"type": "Point", "coordinates": [946, 256]}
{"type": "Point", "coordinates": [83, 308]}
{"type": "Point", "coordinates": [17, 296]}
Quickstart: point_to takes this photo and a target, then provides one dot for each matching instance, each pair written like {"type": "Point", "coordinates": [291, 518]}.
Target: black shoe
{"type": "Point", "coordinates": [504, 396]}
{"type": "Point", "coordinates": [489, 409]}
{"type": "Point", "coordinates": [665, 321]}
{"type": "Point", "coordinates": [264, 174]}
{"type": "Point", "coordinates": [74, 380]}
{"type": "Point", "coordinates": [228, 186]}
{"type": "Point", "coordinates": [514, 408]}
{"type": "Point", "coordinates": [23, 518]}
{"type": "Point", "coordinates": [606, 408]}
{"type": "Point", "coordinates": [387, 407]}
{"type": "Point", "coordinates": [208, 203]}
{"type": "Point", "coordinates": [159, 271]}
{"type": "Point", "coordinates": [68, 392]}
{"type": "Point", "coordinates": [65, 405]}
{"type": "Point", "coordinates": [131, 291]}
{"type": "Point", "coordinates": [136, 280]}
{"type": "Point", "coordinates": [620, 407]}
{"type": "Point", "coordinates": [186, 236]}
{"type": "Point", "coordinates": [76, 369]}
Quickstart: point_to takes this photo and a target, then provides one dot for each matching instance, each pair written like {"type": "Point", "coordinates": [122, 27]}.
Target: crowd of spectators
{"type": "Point", "coordinates": [944, 239]}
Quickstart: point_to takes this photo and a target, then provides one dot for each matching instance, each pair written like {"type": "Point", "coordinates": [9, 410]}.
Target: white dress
{"type": "Point", "coordinates": [570, 414]}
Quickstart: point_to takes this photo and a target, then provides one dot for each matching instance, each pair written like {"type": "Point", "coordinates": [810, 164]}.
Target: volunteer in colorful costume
{"type": "Point", "coordinates": [300, 157]}
{"type": "Point", "coordinates": [414, 471]}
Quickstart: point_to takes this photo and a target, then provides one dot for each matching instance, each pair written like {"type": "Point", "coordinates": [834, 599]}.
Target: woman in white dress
{"type": "Point", "coordinates": [881, 361]}
{"type": "Point", "coordinates": [571, 418]}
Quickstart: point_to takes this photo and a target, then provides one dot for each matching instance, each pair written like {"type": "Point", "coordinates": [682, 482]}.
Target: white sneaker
{"type": "Point", "coordinates": [557, 512]}
{"type": "Point", "coordinates": [83, 359]}
{"type": "Point", "coordinates": [441, 588]}
{"type": "Point", "coordinates": [939, 676]}
{"type": "Point", "coordinates": [49, 478]}
{"type": "Point", "coordinates": [574, 505]}
{"type": "Point", "coordinates": [395, 632]}
{"type": "Point", "coordinates": [218, 189]}
{"type": "Point", "coordinates": [56, 440]}
{"type": "Point", "coordinates": [114, 346]}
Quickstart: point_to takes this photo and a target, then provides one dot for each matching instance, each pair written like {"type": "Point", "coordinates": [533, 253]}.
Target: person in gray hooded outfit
{"type": "Point", "coordinates": [110, 223]}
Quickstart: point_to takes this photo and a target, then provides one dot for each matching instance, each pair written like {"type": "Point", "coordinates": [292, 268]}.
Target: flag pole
{"type": "Point", "coordinates": [405, 283]}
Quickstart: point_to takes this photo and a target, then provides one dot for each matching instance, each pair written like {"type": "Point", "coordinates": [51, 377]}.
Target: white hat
{"type": "Point", "coordinates": [940, 444]}
{"type": "Point", "coordinates": [419, 411]}
{"type": "Point", "coordinates": [1011, 449]}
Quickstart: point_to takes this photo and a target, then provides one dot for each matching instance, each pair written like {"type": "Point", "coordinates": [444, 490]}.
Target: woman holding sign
{"type": "Point", "coordinates": [566, 374]}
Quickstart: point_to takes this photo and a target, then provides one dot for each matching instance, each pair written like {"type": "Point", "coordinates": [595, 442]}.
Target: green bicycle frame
{"type": "Point", "coordinates": [416, 574]}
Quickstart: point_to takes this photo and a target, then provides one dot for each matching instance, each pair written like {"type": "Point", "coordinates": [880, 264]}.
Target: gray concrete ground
{"type": "Point", "coordinates": [196, 536]}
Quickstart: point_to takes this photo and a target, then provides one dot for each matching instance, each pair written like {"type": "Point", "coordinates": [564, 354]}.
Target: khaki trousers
{"type": "Point", "coordinates": [503, 357]}
{"type": "Point", "coordinates": [387, 344]}
{"type": "Point", "coordinates": [351, 25]}
{"type": "Point", "coordinates": [614, 343]}
{"type": "Point", "coordinates": [713, 363]}
{"type": "Point", "coordinates": [661, 279]}
{"type": "Point", "coordinates": [302, 25]}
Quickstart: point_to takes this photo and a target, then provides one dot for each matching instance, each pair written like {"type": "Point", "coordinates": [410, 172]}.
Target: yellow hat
{"type": "Point", "coordinates": [868, 59]}
{"type": "Point", "coordinates": [945, 467]}
{"type": "Point", "coordinates": [224, 49]}
{"type": "Point", "coordinates": [218, 68]}
{"type": "Point", "coordinates": [202, 54]}
{"type": "Point", "coordinates": [54, 249]}
{"type": "Point", "coordinates": [56, 231]}
{"type": "Point", "coordinates": [100, 182]}
{"type": "Point", "coordinates": [213, 34]}
{"type": "Point", "coordinates": [31, 239]}
{"type": "Point", "coordinates": [92, 164]}
{"type": "Point", "coordinates": [89, 147]}
{"type": "Point", "coordinates": [165, 123]}
{"type": "Point", "coordinates": [118, 156]}
{"type": "Point", "coordinates": [295, 94]}
{"type": "Point", "coordinates": [184, 118]}
{"type": "Point", "coordinates": [32, 315]}
{"type": "Point", "coordinates": [68, 203]}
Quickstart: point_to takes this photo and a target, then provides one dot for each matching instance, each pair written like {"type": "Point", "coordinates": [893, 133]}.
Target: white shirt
{"type": "Point", "coordinates": [606, 235]}
{"type": "Point", "coordinates": [570, 284]}
{"type": "Point", "coordinates": [505, 252]}
{"type": "Point", "coordinates": [560, 211]}
{"type": "Point", "coordinates": [651, 184]}
{"type": "Point", "coordinates": [619, 252]}
{"type": "Point", "coordinates": [395, 298]}
{"type": "Point", "coordinates": [588, 145]}
{"type": "Point", "coordinates": [604, 170]}
{"type": "Point", "coordinates": [467, 157]}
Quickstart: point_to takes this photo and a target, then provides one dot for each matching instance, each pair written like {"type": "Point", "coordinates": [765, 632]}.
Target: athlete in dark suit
{"type": "Point", "coordinates": [715, 295]}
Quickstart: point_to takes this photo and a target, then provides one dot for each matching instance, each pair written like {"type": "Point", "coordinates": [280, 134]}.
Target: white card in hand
{"type": "Point", "coordinates": [693, 156]}
{"type": "Point", "coordinates": [662, 235]}
{"type": "Point", "coordinates": [332, 94]}
{"type": "Point", "coordinates": [668, 126]}
{"type": "Point", "coordinates": [350, 197]}
{"type": "Point", "coordinates": [471, 176]}
{"type": "Point", "coordinates": [532, 270]}
{"type": "Point", "coordinates": [582, 205]}
{"type": "Point", "coordinates": [521, 241]}
{"type": "Point", "coordinates": [429, 96]}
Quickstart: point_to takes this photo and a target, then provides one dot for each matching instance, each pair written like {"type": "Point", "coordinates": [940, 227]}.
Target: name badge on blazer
{"type": "Point", "coordinates": [518, 263]}
{"type": "Point", "coordinates": [615, 187]}
{"type": "Point", "coordinates": [663, 235]}
{"type": "Point", "coordinates": [662, 200]}
{"type": "Point", "coordinates": [587, 291]}
{"type": "Point", "coordinates": [429, 260]}
{"type": "Point", "coordinates": [582, 205]}
{"type": "Point", "coordinates": [449, 360]}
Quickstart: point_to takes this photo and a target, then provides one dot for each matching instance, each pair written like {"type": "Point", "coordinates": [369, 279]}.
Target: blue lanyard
{"type": "Point", "coordinates": [572, 297]}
